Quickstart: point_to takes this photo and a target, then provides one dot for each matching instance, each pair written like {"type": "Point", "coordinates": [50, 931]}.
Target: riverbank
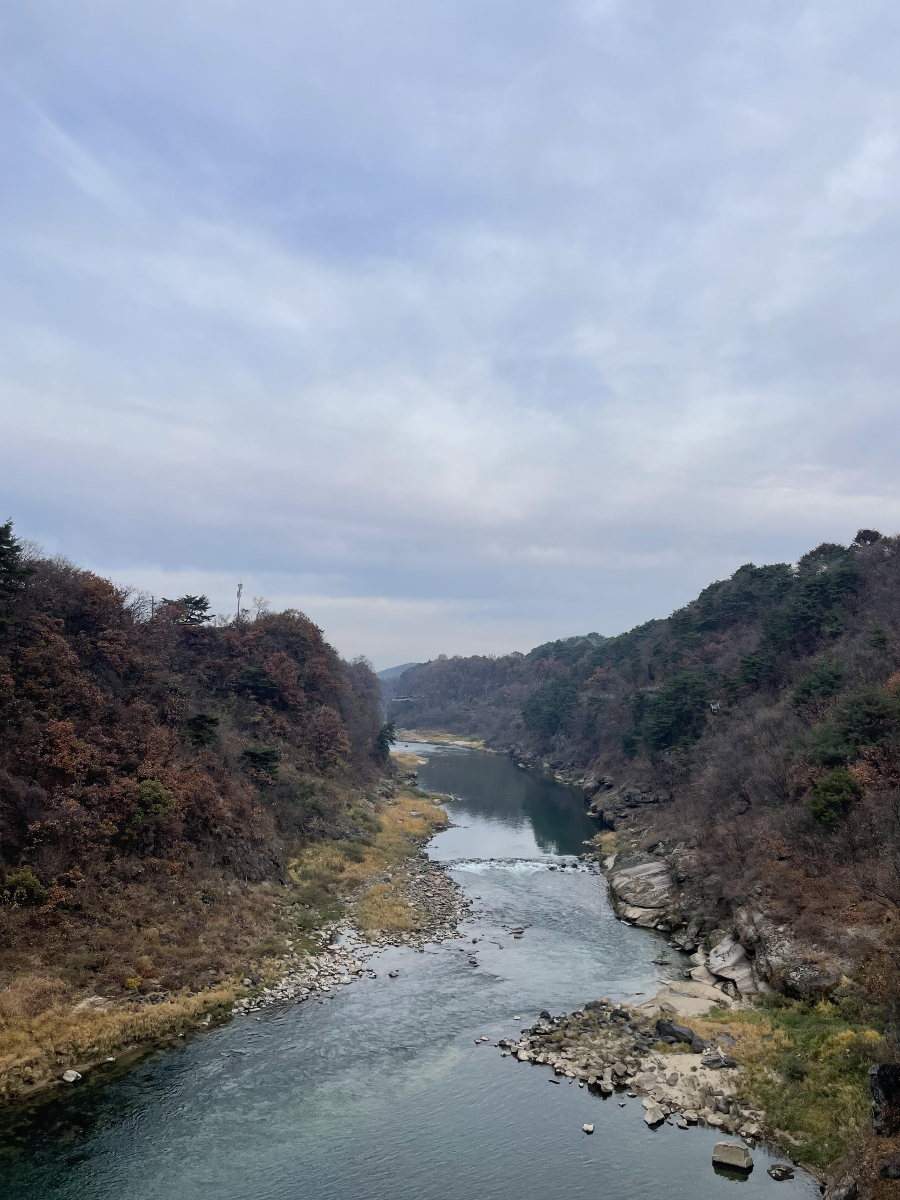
{"type": "Point", "coordinates": [440, 737]}
{"type": "Point", "coordinates": [802, 1061]}
{"type": "Point", "coordinates": [382, 887]}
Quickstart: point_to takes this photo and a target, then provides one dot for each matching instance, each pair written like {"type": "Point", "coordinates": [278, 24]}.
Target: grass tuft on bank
{"type": "Point", "coordinates": [806, 1066]}
{"type": "Point", "coordinates": [328, 874]}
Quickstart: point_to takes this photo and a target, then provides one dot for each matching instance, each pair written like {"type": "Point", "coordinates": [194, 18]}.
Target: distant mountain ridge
{"type": "Point", "coordinates": [393, 672]}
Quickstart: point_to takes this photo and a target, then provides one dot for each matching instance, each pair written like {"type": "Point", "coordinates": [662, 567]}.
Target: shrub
{"type": "Point", "coordinates": [202, 729]}
{"type": "Point", "coordinates": [823, 680]}
{"type": "Point", "coordinates": [22, 888]}
{"type": "Point", "coordinates": [153, 801]}
{"type": "Point", "coordinates": [832, 798]}
{"type": "Point", "coordinates": [31, 995]}
{"type": "Point", "coordinates": [261, 760]}
{"type": "Point", "coordinates": [258, 683]}
{"type": "Point", "coordinates": [867, 716]}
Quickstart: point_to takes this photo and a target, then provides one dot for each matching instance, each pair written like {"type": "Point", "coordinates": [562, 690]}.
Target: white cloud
{"type": "Point", "coordinates": [487, 310]}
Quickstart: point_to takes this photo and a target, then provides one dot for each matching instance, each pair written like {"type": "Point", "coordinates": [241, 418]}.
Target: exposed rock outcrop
{"type": "Point", "coordinates": [642, 890]}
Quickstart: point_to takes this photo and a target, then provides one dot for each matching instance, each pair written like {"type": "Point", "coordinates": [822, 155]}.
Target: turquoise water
{"type": "Point", "coordinates": [381, 1091]}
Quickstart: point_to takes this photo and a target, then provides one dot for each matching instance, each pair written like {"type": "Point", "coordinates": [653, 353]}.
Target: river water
{"type": "Point", "coordinates": [382, 1091]}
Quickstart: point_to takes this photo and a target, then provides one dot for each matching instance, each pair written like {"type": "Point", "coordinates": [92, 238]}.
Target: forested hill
{"type": "Point", "coordinates": [154, 766]}
{"type": "Point", "coordinates": [766, 710]}
{"type": "Point", "coordinates": [482, 693]}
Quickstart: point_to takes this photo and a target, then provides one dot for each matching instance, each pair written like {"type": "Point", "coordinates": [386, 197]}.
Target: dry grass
{"type": "Point", "coordinates": [41, 1035]}
{"type": "Point", "coordinates": [43, 1031]}
{"type": "Point", "coordinates": [407, 762]}
{"type": "Point", "coordinates": [440, 737]}
{"type": "Point", "coordinates": [606, 842]}
{"type": "Point", "coordinates": [806, 1068]}
{"type": "Point", "coordinates": [380, 904]}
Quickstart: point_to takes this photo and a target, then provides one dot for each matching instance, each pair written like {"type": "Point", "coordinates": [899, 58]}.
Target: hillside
{"type": "Point", "coordinates": [751, 740]}
{"type": "Point", "coordinates": [157, 771]}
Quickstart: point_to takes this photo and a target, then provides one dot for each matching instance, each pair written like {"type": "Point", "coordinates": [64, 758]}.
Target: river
{"type": "Point", "coordinates": [381, 1092]}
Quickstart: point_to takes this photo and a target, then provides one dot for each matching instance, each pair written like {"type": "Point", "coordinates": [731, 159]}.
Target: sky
{"type": "Point", "coordinates": [458, 326]}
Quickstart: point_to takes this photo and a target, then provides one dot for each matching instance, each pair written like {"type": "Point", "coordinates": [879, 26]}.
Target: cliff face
{"type": "Point", "coordinates": [155, 769]}
{"type": "Point", "coordinates": [752, 740]}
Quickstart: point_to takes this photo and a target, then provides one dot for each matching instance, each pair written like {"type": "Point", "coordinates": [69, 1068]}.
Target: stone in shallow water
{"type": "Point", "coordinates": [730, 1154]}
{"type": "Point", "coordinates": [780, 1172]}
{"type": "Point", "coordinates": [71, 1076]}
{"type": "Point", "coordinates": [587, 1128]}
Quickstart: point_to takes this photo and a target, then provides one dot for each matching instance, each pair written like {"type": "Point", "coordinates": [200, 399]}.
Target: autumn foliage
{"type": "Point", "coordinates": [155, 767]}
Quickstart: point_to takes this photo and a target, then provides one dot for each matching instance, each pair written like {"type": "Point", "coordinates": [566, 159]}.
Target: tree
{"type": "Point", "coordinates": [153, 801]}
{"type": "Point", "coordinates": [866, 716]}
{"type": "Point", "coordinates": [386, 737]}
{"type": "Point", "coordinates": [13, 568]}
{"type": "Point", "coordinates": [867, 537]}
{"type": "Point", "coordinates": [259, 684]}
{"type": "Point", "coordinates": [550, 709]}
{"type": "Point", "coordinates": [832, 798]}
{"type": "Point", "coordinates": [676, 715]}
{"type": "Point", "coordinates": [824, 679]}
{"type": "Point", "coordinates": [261, 759]}
{"type": "Point", "coordinates": [196, 609]}
{"type": "Point", "coordinates": [202, 729]}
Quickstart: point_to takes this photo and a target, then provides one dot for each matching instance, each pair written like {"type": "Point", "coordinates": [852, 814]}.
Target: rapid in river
{"type": "Point", "coordinates": [381, 1092]}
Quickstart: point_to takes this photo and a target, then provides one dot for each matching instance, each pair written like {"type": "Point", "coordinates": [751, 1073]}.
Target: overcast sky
{"type": "Point", "coordinates": [458, 324]}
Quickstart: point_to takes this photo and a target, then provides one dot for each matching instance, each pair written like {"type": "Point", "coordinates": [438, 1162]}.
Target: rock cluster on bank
{"type": "Point", "coordinates": [612, 1046]}
{"type": "Point", "coordinates": [427, 886]}
{"type": "Point", "coordinates": [751, 954]}
{"type": "Point", "coordinates": [303, 976]}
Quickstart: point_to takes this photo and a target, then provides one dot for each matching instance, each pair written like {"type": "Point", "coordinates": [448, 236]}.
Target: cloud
{"type": "Point", "coordinates": [507, 312]}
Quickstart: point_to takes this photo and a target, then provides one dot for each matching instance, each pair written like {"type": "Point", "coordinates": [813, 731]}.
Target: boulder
{"type": "Point", "coordinates": [732, 1154]}
{"type": "Point", "coordinates": [780, 1172]}
{"type": "Point", "coordinates": [71, 1076]}
{"type": "Point", "coordinates": [687, 999]}
{"type": "Point", "coordinates": [728, 960]}
{"type": "Point", "coordinates": [642, 883]}
{"type": "Point", "coordinates": [594, 782]}
{"type": "Point", "coordinates": [884, 1084]}
{"type": "Point", "coordinates": [804, 981]}
{"type": "Point", "coordinates": [587, 1128]}
{"type": "Point", "coordinates": [653, 1115]}
{"type": "Point", "coordinates": [644, 918]}
{"type": "Point", "coordinates": [668, 1029]}
{"type": "Point", "coordinates": [846, 1188]}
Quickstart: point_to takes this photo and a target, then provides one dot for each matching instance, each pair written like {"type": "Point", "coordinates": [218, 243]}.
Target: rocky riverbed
{"type": "Point", "coordinates": [344, 953]}
{"type": "Point", "coordinates": [609, 1047]}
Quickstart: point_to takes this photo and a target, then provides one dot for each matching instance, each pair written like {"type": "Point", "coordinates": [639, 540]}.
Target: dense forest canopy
{"type": "Point", "coordinates": [768, 710]}
{"type": "Point", "coordinates": [154, 763]}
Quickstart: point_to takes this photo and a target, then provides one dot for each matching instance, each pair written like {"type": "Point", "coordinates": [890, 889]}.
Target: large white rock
{"type": "Point", "coordinates": [71, 1076]}
{"type": "Point", "coordinates": [654, 1115]}
{"type": "Point", "coordinates": [732, 1154]}
{"type": "Point", "coordinates": [646, 885]}
{"type": "Point", "coordinates": [645, 918]}
{"type": "Point", "coordinates": [688, 999]}
{"type": "Point", "coordinates": [729, 960]}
